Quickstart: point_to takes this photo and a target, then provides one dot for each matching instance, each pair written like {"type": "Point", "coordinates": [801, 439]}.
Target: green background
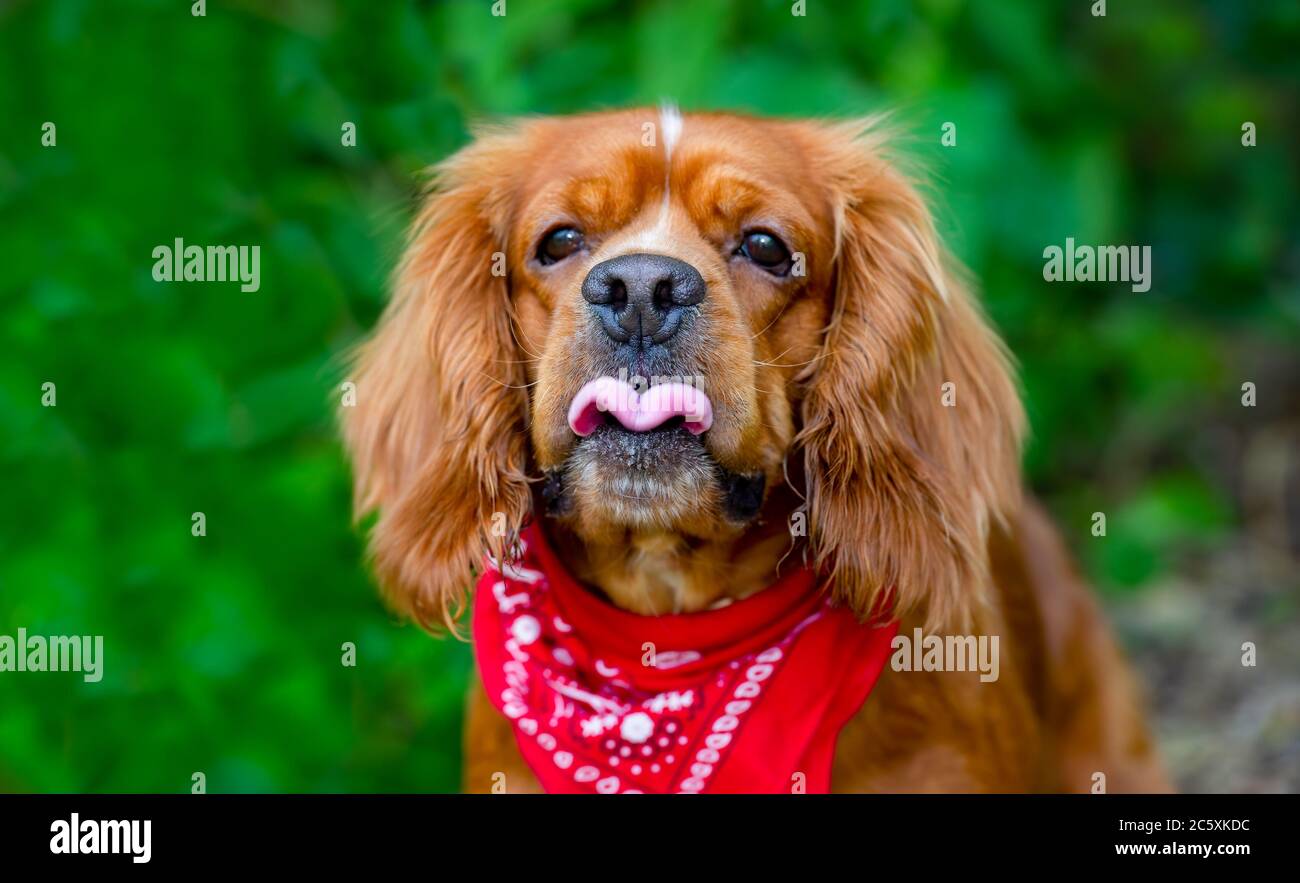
{"type": "Point", "coordinates": [223, 652]}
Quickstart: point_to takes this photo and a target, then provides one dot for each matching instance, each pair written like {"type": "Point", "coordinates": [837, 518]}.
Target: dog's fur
{"type": "Point", "coordinates": [829, 403]}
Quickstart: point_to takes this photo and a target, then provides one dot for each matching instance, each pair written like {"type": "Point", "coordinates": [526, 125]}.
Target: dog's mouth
{"type": "Point", "coordinates": [607, 400]}
{"type": "Point", "coordinates": [636, 449]}
{"type": "Point", "coordinates": [651, 437]}
{"type": "Point", "coordinates": [652, 434]}
{"type": "Point", "coordinates": [642, 457]}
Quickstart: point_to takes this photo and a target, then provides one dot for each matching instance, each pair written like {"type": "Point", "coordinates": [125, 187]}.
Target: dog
{"type": "Point", "coordinates": [807, 387]}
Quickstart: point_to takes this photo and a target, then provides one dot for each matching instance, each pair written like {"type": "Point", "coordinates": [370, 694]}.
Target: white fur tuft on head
{"type": "Point", "coordinates": [670, 124]}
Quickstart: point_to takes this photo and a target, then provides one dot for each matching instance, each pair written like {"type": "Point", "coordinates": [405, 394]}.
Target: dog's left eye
{"type": "Point", "coordinates": [767, 251]}
{"type": "Point", "coordinates": [559, 244]}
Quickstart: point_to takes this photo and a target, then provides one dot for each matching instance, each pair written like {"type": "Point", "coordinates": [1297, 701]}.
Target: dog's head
{"type": "Point", "coordinates": [653, 320]}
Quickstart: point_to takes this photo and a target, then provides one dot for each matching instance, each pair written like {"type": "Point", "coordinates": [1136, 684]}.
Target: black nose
{"type": "Point", "coordinates": [641, 298]}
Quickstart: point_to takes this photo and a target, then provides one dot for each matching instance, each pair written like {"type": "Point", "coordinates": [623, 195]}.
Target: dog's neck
{"type": "Point", "coordinates": [653, 573]}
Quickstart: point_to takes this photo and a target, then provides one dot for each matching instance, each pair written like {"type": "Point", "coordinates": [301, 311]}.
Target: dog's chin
{"type": "Point", "coordinates": [662, 479]}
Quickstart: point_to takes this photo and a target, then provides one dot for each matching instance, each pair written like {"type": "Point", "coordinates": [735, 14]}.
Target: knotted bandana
{"type": "Point", "coordinates": [749, 697]}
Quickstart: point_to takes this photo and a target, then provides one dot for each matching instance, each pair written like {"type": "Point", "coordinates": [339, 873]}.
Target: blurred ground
{"type": "Point", "coordinates": [1223, 726]}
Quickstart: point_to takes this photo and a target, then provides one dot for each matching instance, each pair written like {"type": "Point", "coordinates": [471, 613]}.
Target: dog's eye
{"type": "Point", "coordinates": [559, 244]}
{"type": "Point", "coordinates": [767, 251]}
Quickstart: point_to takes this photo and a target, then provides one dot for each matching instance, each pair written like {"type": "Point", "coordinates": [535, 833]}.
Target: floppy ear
{"type": "Point", "coordinates": [904, 471]}
{"type": "Point", "coordinates": [437, 434]}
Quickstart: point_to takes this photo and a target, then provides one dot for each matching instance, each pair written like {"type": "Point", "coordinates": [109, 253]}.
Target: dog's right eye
{"type": "Point", "coordinates": [559, 244]}
{"type": "Point", "coordinates": [767, 251]}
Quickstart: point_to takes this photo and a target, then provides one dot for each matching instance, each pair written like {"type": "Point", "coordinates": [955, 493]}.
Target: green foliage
{"type": "Point", "coordinates": [223, 651]}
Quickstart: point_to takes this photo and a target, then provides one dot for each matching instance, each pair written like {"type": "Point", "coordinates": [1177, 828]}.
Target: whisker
{"type": "Point", "coordinates": [775, 319]}
{"type": "Point", "coordinates": [513, 333]}
{"type": "Point", "coordinates": [509, 385]}
{"type": "Point", "coordinates": [775, 364]}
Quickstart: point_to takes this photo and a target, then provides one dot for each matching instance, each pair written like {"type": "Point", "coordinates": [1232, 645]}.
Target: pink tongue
{"type": "Point", "coordinates": [639, 413]}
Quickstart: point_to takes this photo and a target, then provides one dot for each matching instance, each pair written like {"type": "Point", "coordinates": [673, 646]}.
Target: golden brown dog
{"type": "Point", "coordinates": [855, 384]}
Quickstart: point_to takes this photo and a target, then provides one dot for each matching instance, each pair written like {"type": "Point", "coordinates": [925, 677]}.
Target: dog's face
{"type": "Point", "coordinates": [667, 257]}
{"type": "Point", "coordinates": [656, 319]}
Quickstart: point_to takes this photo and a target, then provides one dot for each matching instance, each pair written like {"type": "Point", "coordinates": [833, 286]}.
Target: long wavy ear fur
{"type": "Point", "coordinates": [904, 471]}
{"type": "Point", "coordinates": [437, 434]}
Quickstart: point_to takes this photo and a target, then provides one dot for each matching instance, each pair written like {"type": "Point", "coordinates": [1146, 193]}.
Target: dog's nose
{"type": "Point", "coordinates": [641, 298]}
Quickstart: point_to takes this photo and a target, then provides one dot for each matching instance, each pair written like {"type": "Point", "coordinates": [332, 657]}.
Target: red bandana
{"type": "Point", "coordinates": [744, 698]}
